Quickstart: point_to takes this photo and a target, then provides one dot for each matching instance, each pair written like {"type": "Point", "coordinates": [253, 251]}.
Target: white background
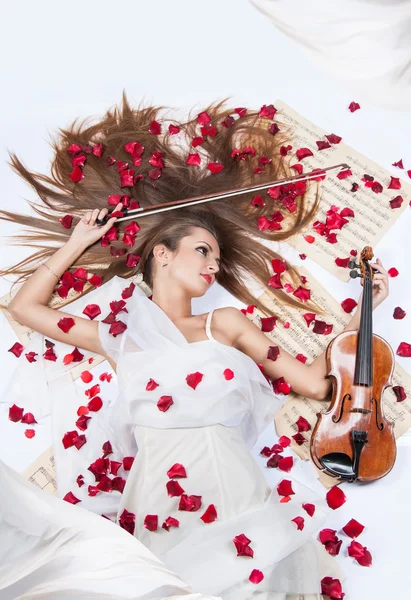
{"type": "Point", "coordinates": [65, 60]}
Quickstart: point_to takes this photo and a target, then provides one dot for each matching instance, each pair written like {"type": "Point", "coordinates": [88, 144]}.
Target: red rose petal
{"type": "Point", "coordinates": [309, 509]}
{"type": "Point", "coordinates": [66, 221]}
{"type": "Point", "coordinates": [303, 424]}
{"type": "Point", "coordinates": [65, 324]}
{"type": "Point", "coordinates": [360, 553]}
{"type": "Point", "coordinates": [28, 419]}
{"type": "Point", "coordinates": [299, 521]}
{"type": "Point", "coordinates": [189, 503]}
{"type": "Point", "coordinates": [333, 139]}
{"type": "Point", "coordinates": [127, 521]}
{"type": "Point", "coordinates": [107, 449]}
{"type": "Point", "coordinates": [256, 576]}
{"type": "Point", "coordinates": [93, 391]}
{"type": "Point", "coordinates": [164, 403]}
{"type": "Point", "coordinates": [128, 462]}
{"type": "Point", "coordinates": [241, 542]}
{"type": "Point", "coordinates": [348, 305]}
{"type": "Point", "coordinates": [284, 441]}
{"type": "Point", "coordinates": [228, 374]}
{"type": "Point", "coordinates": [303, 153]}
{"type": "Point", "coordinates": [151, 522]}
{"type": "Point", "coordinates": [210, 514]}
{"type": "Point", "coordinates": [332, 588]}
{"type": "Point", "coordinates": [15, 413]}
{"type": "Point", "coordinates": [193, 379]}
{"type": "Point", "coordinates": [284, 488]}
{"type": "Point", "coordinates": [353, 528]}
{"type": "Point", "coordinates": [177, 471]}
{"type": "Point", "coordinates": [215, 167]}
{"type": "Point", "coordinates": [353, 106]}
{"type": "Point", "coordinates": [92, 311]}
{"type": "Point", "coordinates": [193, 160]}
{"type": "Point", "coordinates": [71, 498]}
{"type": "Point", "coordinates": [404, 349]}
{"type": "Point", "coordinates": [16, 349]}
{"type": "Point", "coordinates": [95, 404]}
{"type": "Point", "coordinates": [335, 497]}
{"type": "Point", "coordinates": [174, 488]}
{"type": "Point", "coordinates": [170, 522]}
{"type": "Point", "coordinates": [29, 433]}
{"type": "Point", "coordinates": [399, 393]}
{"type": "Point", "coordinates": [395, 184]}
{"type": "Point", "coordinates": [86, 376]}
{"type": "Point", "coordinates": [286, 464]}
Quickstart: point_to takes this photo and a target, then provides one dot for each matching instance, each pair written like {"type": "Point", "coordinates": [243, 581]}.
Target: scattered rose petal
{"type": "Point", "coordinates": [28, 419]}
{"type": "Point", "coordinates": [170, 522]}
{"type": "Point", "coordinates": [174, 488]}
{"type": "Point", "coordinates": [303, 424]}
{"type": "Point", "coordinates": [127, 521]}
{"type": "Point", "coordinates": [353, 528]}
{"type": "Point", "coordinates": [164, 403]}
{"type": "Point", "coordinates": [284, 488]}
{"type": "Point", "coordinates": [128, 462]}
{"type": "Point", "coordinates": [256, 576]}
{"type": "Point", "coordinates": [332, 588]}
{"type": "Point", "coordinates": [210, 514]}
{"type": "Point", "coordinates": [177, 471]}
{"type": "Point", "coordinates": [303, 153]}
{"type": "Point", "coordinates": [71, 498]}
{"type": "Point", "coordinates": [15, 413]}
{"type": "Point", "coordinates": [189, 503]}
{"type": "Point", "coordinates": [92, 311]}
{"type": "Point", "coordinates": [16, 349]}
{"type": "Point", "coordinates": [395, 184]}
{"type": "Point", "coordinates": [151, 522]}
{"type": "Point", "coordinates": [309, 509]}
{"type": "Point", "coordinates": [29, 433]}
{"type": "Point", "coordinates": [299, 521]}
{"type": "Point", "coordinates": [193, 379]}
{"type": "Point", "coordinates": [241, 542]}
{"type": "Point", "coordinates": [65, 324]}
{"type": "Point", "coordinates": [335, 497]}
{"type": "Point", "coordinates": [353, 106]}
{"type": "Point", "coordinates": [404, 349]}
{"type": "Point", "coordinates": [286, 464]}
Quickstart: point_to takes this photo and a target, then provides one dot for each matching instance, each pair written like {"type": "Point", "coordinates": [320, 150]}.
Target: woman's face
{"type": "Point", "coordinates": [198, 255]}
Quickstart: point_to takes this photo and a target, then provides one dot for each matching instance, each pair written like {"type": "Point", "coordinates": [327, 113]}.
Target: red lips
{"type": "Point", "coordinates": [207, 278]}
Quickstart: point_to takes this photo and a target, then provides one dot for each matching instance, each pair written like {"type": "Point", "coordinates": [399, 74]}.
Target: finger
{"type": "Point", "coordinates": [94, 216]}
{"type": "Point", "coordinates": [86, 218]}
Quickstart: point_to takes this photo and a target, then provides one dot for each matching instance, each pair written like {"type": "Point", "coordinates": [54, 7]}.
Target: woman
{"type": "Point", "coordinates": [194, 390]}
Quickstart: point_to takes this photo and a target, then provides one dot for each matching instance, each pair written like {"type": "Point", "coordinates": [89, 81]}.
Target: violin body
{"type": "Point", "coordinates": [355, 408]}
{"type": "Point", "coordinates": [353, 440]}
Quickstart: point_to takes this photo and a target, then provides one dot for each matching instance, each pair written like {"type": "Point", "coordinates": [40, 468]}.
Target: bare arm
{"type": "Point", "coordinates": [307, 380]}
{"type": "Point", "coordinates": [29, 305]}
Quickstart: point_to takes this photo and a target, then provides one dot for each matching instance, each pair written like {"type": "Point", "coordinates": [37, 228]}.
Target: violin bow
{"type": "Point", "coordinates": [151, 210]}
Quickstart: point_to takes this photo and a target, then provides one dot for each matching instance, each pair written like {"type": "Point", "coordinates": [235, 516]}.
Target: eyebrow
{"type": "Point", "coordinates": [203, 242]}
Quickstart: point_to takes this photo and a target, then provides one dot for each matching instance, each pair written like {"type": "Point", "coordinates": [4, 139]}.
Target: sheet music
{"type": "Point", "coordinates": [300, 339]}
{"type": "Point", "coordinates": [373, 213]}
{"type": "Point", "coordinates": [42, 472]}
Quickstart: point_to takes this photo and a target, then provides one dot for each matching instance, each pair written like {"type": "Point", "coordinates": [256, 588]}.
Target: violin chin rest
{"type": "Point", "coordinates": [339, 464]}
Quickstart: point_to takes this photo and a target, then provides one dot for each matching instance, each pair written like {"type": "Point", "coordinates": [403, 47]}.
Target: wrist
{"type": "Point", "coordinates": [76, 247]}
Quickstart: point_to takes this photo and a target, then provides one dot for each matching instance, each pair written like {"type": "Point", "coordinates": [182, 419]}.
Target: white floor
{"type": "Point", "coordinates": [63, 61]}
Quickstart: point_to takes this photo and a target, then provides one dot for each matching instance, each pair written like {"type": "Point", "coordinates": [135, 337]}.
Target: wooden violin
{"type": "Point", "coordinates": [352, 440]}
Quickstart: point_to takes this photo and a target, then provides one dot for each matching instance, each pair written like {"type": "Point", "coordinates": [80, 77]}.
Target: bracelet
{"type": "Point", "coordinates": [51, 271]}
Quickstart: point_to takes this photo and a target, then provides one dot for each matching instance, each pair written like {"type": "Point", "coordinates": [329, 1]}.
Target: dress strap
{"type": "Point", "coordinates": [208, 329]}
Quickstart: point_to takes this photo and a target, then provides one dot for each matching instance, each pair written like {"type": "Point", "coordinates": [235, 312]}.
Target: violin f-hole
{"type": "Point", "coordinates": [336, 418]}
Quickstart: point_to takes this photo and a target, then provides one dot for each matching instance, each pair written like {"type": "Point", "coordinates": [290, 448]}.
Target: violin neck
{"type": "Point", "coordinates": [363, 365]}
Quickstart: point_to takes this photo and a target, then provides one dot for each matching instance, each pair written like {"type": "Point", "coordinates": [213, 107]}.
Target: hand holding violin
{"type": "Point", "coordinates": [380, 288]}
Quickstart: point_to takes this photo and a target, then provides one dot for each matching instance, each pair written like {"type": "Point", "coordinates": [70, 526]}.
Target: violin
{"type": "Point", "coordinates": [352, 440]}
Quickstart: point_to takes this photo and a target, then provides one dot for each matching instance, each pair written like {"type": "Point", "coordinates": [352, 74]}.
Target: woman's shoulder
{"type": "Point", "coordinates": [226, 324]}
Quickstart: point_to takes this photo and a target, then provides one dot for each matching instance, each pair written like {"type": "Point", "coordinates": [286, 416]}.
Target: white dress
{"type": "Point", "coordinates": [214, 402]}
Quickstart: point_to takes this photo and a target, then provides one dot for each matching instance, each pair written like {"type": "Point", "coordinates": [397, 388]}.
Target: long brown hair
{"type": "Point", "coordinates": [246, 143]}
